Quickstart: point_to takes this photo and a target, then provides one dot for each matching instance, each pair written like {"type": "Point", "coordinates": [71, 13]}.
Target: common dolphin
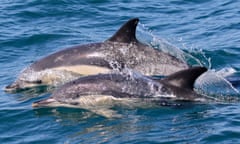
{"type": "Point", "coordinates": [96, 91]}
{"type": "Point", "coordinates": [120, 50]}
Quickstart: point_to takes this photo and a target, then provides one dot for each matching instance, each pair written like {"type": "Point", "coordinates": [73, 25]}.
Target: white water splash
{"type": "Point", "coordinates": [213, 83]}
{"type": "Point", "coordinates": [147, 37]}
{"type": "Point", "coordinates": [226, 71]}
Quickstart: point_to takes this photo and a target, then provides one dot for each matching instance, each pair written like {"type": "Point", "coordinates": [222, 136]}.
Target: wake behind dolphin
{"type": "Point", "coordinates": [96, 91]}
{"type": "Point", "coordinates": [121, 50]}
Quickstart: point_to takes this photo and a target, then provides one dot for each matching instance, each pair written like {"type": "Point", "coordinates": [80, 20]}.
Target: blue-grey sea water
{"type": "Point", "coordinates": [207, 30]}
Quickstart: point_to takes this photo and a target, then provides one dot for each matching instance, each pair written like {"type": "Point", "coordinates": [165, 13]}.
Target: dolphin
{"type": "Point", "coordinates": [96, 91]}
{"type": "Point", "coordinates": [120, 50]}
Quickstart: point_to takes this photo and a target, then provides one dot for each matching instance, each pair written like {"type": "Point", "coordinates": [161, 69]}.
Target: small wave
{"type": "Point", "coordinates": [31, 39]}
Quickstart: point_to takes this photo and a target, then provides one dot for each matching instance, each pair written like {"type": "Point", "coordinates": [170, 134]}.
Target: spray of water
{"type": "Point", "coordinates": [146, 36]}
{"type": "Point", "coordinates": [212, 82]}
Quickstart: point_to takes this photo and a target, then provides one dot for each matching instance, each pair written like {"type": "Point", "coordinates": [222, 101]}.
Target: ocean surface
{"type": "Point", "coordinates": [207, 31]}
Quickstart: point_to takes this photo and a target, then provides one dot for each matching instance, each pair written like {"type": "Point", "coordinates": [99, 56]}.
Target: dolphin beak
{"type": "Point", "coordinates": [19, 86]}
{"type": "Point", "coordinates": [44, 103]}
{"type": "Point", "coordinates": [12, 87]}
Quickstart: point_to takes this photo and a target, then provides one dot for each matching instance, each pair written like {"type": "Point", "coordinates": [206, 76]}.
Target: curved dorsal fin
{"type": "Point", "coordinates": [185, 78]}
{"type": "Point", "coordinates": [127, 33]}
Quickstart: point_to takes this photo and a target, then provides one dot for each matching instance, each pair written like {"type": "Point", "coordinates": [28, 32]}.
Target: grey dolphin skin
{"type": "Point", "coordinates": [120, 50]}
{"type": "Point", "coordinates": [106, 89]}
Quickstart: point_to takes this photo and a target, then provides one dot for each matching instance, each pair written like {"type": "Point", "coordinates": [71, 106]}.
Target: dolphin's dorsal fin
{"type": "Point", "coordinates": [185, 78]}
{"type": "Point", "coordinates": [127, 33]}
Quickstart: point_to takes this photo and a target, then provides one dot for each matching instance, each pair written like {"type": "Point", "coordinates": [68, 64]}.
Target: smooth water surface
{"type": "Point", "coordinates": [32, 29]}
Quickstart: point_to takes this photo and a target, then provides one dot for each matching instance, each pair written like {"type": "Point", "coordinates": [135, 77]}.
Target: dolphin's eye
{"type": "Point", "coordinates": [34, 82]}
{"type": "Point", "coordinates": [163, 89]}
{"type": "Point", "coordinates": [38, 81]}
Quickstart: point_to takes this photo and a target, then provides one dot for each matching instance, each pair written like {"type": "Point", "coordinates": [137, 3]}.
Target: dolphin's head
{"type": "Point", "coordinates": [30, 79]}
{"type": "Point", "coordinates": [27, 79]}
{"type": "Point", "coordinates": [20, 85]}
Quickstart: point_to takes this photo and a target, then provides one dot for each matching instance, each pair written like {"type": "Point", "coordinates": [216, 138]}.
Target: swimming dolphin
{"type": "Point", "coordinates": [96, 91]}
{"type": "Point", "coordinates": [120, 50]}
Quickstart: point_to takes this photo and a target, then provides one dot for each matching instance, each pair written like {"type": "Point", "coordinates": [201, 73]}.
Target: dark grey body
{"type": "Point", "coordinates": [133, 55]}
{"type": "Point", "coordinates": [85, 91]}
{"type": "Point", "coordinates": [121, 50]}
{"type": "Point", "coordinates": [120, 86]}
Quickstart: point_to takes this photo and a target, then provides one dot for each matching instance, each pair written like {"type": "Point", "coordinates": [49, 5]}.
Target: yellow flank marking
{"type": "Point", "coordinates": [84, 69]}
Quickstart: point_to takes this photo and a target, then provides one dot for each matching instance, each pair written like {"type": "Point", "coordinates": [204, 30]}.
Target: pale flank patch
{"type": "Point", "coordinates": [96, 54]}
{"type": "Point", "coordinates": [84, 69]}
{"type": "Point", "coordinates": [99, 104]}
{"type": "Point", "coordinates": [96, 100]}
{"type": "Point", "coordinates": [166, 96]}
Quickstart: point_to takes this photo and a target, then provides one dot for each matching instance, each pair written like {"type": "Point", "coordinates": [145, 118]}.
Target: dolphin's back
{"type": "Point", "coordinates": [133, 85]}
{"type": "Point", "coordinates": [117, 85]}
{"type": "Point", "coordinates": [77, 55]}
